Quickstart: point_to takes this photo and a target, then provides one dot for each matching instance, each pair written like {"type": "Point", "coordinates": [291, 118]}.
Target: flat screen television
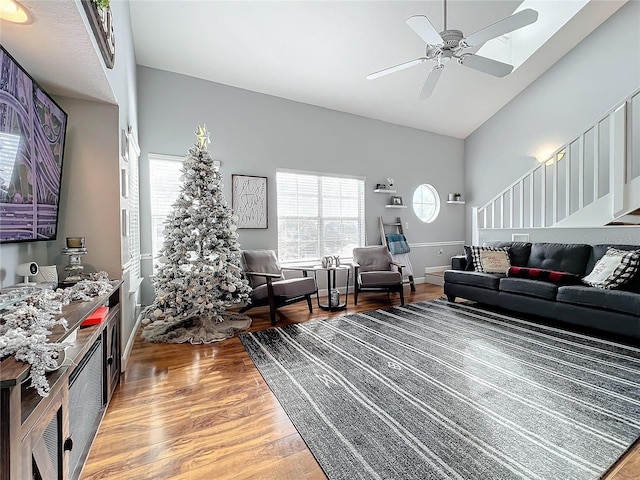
{"type": "Point", "coordinates": [32, 138]}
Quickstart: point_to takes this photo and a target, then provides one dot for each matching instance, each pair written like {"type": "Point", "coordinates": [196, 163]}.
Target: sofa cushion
{"type": "Point", "coordinates": [617, 300]}
{"type": "Point", "coordinates": [294, 287]}
{"type": "Point", "coordinates": [519, 252]}
{"type": "Point", "coordinates": [530, 288]}
{"type": "Point", "coordinates": [374, 258]}
{"type": "Point", "coordinates": [560, 257]}
{"type": "Point", "coordinates": [260, 261]}
{"type": "Point", "coordinates": [614, 269]}
{"type": "Point", "coordinates": [476, 279]}
{"type": "Point", "coordinates": [559, 278]}
{"type": "Point", "coordinates": [598, 252]}
{"type": "Point", "coordinates": [374, 279]}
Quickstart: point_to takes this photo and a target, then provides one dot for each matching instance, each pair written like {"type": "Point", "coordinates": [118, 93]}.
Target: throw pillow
{"type": "Point", "coordinates": [559, 278]}
{"type": "Point", "coordinates": [614, 269]}
{"type": "Point", "coordinates": [494, 263]}
{"type": "Point", "coordinates": [469, 258]}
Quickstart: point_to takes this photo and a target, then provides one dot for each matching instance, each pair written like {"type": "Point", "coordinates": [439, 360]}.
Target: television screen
{"type": "Point", "coordinates": [32, 135]}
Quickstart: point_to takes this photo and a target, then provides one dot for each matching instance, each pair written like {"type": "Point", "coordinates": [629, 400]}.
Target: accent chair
{"type": "Point", "coordinates": [270, 287]}
{"type": "Point", "coordinates": [375, 271]}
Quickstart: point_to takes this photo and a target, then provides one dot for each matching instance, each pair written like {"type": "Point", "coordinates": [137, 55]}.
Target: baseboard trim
{"type": "Point", "coordinates": [124, 360]}
{"type": "Point", "coordinates": [437, 269]}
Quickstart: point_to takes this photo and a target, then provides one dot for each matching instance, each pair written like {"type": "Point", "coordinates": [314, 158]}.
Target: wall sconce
{"type": "Point", "coordinates": [550, 160]}
{"type": "Point", "coordinates": [13, 11]}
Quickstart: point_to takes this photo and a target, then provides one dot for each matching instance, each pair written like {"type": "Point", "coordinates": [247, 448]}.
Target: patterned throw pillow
{"type": "Point", "coordinates": [559, 278]}
{"type": "Point", "coordinates": [614, 269]}
{"type": "Point", "coordinates": [484, 261]}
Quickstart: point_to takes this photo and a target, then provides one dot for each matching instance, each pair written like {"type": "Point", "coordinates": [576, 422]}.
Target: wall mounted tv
{"type": "Point", "coordinates": [32, 137]}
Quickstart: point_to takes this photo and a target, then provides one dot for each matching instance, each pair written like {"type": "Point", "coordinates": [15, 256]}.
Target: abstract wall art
{"type": "Point", "coordinates": [249, 200]}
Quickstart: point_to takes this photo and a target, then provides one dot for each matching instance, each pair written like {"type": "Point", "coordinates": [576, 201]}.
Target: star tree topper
{"type": "Point", "coordinates": [203, 136]}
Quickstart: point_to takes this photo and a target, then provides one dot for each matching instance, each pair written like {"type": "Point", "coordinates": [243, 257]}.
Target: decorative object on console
{"type": "Point", "coordinates": [75, 242]}
{"type": "Point", "coordinates": [27, 270]}
{"type": "Point", "coordinates": [47, 274]}
{"type": "Point", "coordinates": [28, 322]}
{"type": "Point", "coordinates": [74, 268]}
{"type": "Point", "coordinates": [614, 269]}
{"type": "Point", "coordinates": [249, 201]}
{"type": "Point", "coordinates": [199, 273]}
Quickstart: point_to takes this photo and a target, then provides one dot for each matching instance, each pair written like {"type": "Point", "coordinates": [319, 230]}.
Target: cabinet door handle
{"type": "Point", "coordinates": [110, 361]}
{"type": "Point", "coordinates": [68, 444]}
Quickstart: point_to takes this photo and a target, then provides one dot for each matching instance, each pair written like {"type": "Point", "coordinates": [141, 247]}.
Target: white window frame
{"type": "Point", "coordinates": [435, 203]}
{"type": "Point", "coordinates": [321, 246]}
{"type": "Point", "coordinates": [158, 218]}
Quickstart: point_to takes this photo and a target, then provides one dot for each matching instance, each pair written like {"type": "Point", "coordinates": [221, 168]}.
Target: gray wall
{"type": "Point", "coordinates": [623, 235]}
{"type": "Point", "coordinates": [90, 196]}
{"type": "Point", "coordinates": [254, 134]}
{"type": "Point", "coordinates": [563, 102]}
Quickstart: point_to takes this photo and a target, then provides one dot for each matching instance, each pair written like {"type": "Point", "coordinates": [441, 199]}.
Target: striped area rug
{"type": "Point", "coordinates": [435, 390]}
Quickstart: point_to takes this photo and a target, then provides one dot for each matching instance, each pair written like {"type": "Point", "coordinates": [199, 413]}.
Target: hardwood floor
{"type": "Point", "coordinates": [202, 412]}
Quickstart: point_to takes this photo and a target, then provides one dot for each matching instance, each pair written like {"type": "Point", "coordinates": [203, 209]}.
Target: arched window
{"type": "Point", "coordinates": [426, 203]}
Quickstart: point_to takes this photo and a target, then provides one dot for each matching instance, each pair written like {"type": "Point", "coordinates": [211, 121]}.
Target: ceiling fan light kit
{"type": "Point", "coordinates": [450, 44]}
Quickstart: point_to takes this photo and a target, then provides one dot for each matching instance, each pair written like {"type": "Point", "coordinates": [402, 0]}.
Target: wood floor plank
{"type": "Point", "coordinates": [199, 412]}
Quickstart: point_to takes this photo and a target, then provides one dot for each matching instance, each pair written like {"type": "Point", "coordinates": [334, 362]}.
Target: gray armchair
{"type": "Point", "coordinates": [375, 271]}
{"type": "Point", "coordinates": [269, 285]}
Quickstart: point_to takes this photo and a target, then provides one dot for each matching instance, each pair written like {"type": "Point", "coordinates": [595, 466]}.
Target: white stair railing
{"type": "Point", "coordinates": [586, 182]}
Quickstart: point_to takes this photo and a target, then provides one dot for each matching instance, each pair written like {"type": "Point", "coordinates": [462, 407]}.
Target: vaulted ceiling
{"type": "Point", "coordinates": [316, 52]}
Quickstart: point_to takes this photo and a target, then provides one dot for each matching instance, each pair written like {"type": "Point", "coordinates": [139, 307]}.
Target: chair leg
{"type": "Point", "coordinates": [401, 295]}
{"type": "Point", "coordinates": [309, 303]}
{"type": "Point", "coordinates": [412, 283]}
{"type": "Point", "coordinates": [355, 295]}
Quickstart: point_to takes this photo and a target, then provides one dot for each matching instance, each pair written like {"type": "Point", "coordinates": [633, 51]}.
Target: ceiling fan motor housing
{"type": "Point", "coordinates": [451, 39]}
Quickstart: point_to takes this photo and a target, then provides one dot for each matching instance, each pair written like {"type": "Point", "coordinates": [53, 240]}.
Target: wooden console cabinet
{"type": "Point", "coordinates": [49, 438]}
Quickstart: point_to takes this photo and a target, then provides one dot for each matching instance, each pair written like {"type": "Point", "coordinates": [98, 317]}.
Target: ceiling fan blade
{"type": "Point", "coordinates": [422, 26]}
{"type": "Point", "coordinates": [486, 65]}
{"type": "Point", "coordinates": [396, 68]}
{"type": "Point", "coordinates": [430, 84]}
{"type": "Point", "coordinates": [506, 25]}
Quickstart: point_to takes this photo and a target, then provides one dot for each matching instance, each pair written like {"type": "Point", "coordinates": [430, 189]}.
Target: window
{"type": "Point", "coordinates": [165, 173]}
{"type": "Point", "coordinates": [426, 203]}
{"type": "Point", "coordinates": [318, 215]}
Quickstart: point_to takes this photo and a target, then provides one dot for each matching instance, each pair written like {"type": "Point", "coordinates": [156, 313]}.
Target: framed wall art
{"type": "Point", "coordinates": [249, 200]}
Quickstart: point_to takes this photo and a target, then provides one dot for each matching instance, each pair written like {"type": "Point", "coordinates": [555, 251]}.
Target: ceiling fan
{"type": "Point", "coordinates": [451, 44]}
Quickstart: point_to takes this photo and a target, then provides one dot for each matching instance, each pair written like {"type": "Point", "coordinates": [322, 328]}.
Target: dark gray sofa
{"type": "Point", "coordinates": [612, 311]}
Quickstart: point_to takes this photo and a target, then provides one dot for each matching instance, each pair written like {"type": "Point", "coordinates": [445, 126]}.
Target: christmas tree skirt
{"type": "Point", "coordinates": [196, 329]}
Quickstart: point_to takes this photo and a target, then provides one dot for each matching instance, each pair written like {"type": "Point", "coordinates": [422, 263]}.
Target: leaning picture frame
{"type": "Point", "coordinates": [249, 201]}
{"type": "Point", "coordinates": [396, 200]}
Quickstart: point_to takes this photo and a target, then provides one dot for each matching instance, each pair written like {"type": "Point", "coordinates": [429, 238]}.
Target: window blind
{"type": "Point", "coordinates": [318, 215]}
{"type": "Point", "coordinates": [165, 172]}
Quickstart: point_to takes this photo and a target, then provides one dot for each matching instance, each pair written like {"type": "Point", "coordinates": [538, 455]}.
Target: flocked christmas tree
{"type": "Point", "coordinates": [199, 274]}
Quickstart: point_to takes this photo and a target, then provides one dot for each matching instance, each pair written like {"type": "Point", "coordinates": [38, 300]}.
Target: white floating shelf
{"type": "Point", "coordinates": [456, 202]}
{"type": "Point", "coordinates": [395, 206]}
{"type": "Point", "coordinates": [384, 190]}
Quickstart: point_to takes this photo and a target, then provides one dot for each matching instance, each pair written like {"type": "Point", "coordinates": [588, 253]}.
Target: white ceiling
{"type": "Point", "coordinates": [316, 52]}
